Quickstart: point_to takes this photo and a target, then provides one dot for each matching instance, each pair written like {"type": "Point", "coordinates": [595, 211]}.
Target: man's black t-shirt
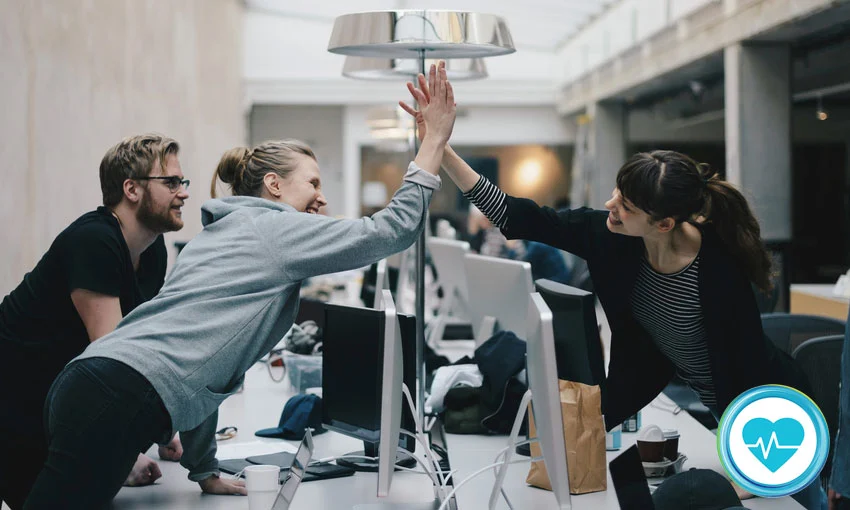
{"type": "Point", "coordinates": [40, 329]}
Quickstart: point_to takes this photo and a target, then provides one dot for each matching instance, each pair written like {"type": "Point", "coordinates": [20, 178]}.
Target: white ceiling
{"type": "Point", "coordinates": [539, 25]}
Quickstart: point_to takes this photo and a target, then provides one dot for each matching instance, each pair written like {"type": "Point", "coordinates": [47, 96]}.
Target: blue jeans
{"type": "Point", "coordinates": [812, 497]}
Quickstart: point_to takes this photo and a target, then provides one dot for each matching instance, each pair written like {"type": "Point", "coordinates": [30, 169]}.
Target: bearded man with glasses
{"type": "Point", "coordinates": [97, 270]}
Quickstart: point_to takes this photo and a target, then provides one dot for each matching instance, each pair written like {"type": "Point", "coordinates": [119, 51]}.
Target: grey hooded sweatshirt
{"type": "Point", "coordinates": [233, 294]}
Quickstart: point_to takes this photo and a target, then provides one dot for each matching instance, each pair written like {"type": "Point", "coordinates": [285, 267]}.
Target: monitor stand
{"type": "Point", "coordinates": [357, 461]}
{"type": "Point", "coordinates": [524, 449]}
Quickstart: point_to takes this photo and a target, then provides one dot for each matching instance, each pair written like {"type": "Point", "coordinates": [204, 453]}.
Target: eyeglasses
{"type": "Point", "coordinates": [173, 182]}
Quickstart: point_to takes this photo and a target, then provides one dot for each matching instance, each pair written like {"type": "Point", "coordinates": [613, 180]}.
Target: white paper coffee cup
{"type": "Point", "coordinates": [262, 483]}
{"type": "Point", "coordinates": [261, 500]}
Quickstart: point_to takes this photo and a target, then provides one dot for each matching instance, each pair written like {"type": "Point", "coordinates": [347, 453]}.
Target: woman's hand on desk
{"type": "Point", "coordinates": [217, 485]}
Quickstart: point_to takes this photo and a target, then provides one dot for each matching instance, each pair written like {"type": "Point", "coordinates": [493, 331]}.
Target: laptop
{"type": "Point", "coordinates": [630, 481]}
{"type": "Point", "coordinates": [296, 473]}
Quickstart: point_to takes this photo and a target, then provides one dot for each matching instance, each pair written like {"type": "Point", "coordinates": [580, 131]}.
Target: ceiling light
{"type": "Point", "coordinates": [820, 113]}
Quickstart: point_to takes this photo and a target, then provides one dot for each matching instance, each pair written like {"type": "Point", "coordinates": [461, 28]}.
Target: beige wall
{"type": "Point", "coordinates": [78, 75]}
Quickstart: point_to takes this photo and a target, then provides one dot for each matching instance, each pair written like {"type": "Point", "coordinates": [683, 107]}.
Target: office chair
{"type": "Point", "coordinates": [788, 331]}
{"type": "Point", "coordinates": [820, 359]}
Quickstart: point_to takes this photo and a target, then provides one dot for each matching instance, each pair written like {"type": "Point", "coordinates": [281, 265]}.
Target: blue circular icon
{"type": "Point", "coordinates": [773, 440]}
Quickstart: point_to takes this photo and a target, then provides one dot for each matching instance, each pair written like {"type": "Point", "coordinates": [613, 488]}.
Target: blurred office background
{"type": "Point", "coordinates": [759, 89]}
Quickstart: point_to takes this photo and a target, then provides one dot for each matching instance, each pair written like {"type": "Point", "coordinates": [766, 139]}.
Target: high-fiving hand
{"type": "Point", "coordinates": [437, 110]}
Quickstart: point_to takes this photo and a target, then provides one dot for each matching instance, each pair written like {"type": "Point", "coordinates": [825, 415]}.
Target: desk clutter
{"type": "Point", "coordinates": [315, 471]}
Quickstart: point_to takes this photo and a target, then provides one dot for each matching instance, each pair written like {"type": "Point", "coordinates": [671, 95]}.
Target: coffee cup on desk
{"type": "Point", "coordinates": [650, 443]}
{"type": "Point", "coordinates": [262, 483]}
{"type": "Point", "coordinates": [671, 443]}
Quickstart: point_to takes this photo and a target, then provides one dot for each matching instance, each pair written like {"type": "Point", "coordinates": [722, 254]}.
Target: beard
{"type": "Point", "coordinates": [159, 222]}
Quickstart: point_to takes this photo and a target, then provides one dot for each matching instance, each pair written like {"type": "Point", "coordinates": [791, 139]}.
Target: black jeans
{"type": "Point", "coordinates": [26, 373]}
{"type": "Point", "coordinates": [100, 414]}
{"type": "Point", "coordinates": [21, 459]}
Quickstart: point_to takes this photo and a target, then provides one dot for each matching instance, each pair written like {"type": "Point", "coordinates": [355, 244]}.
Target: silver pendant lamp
{"type": "Point", "coordinates": [410, 32]}
{"type": "Point", "coordinates": [418, 34]}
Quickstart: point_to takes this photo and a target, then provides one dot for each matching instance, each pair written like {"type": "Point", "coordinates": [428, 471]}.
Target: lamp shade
{"type": "Point", "coordinates": [408, 33]}
{"type": "Point", "coordinates": [365, 68]}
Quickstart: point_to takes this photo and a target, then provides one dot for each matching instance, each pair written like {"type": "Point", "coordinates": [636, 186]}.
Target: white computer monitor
{"type": "Point", "coordinates": [391, 395]}
{"type": "Point", "coordinates": [546, 403]}
{"type": "Point", "coordinates": [498, 288]}
{"type": "Point", "coordinates": [382, 282]}
{"type": "Point", "coordinates": [448, 257]}
{"type": "Point", "coordinates": [545, 396]}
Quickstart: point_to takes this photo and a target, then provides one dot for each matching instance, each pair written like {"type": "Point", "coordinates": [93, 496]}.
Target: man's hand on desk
{"type": "Point", "coordinates": [145, 472]}
{"type": "Point", "coordinates": [172, 451]}
{"type": "Point", "coordinates": [217, 485]}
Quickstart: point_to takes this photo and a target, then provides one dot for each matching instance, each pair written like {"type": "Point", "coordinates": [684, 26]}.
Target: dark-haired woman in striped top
{"type": "Point", "coordinates": [672, 260]}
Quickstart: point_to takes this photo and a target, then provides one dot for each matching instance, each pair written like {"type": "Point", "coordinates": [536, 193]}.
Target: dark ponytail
{"type": "Point", "coordinates": [733, 220]}
{"type": "Point", "coordinates": [668, 184]}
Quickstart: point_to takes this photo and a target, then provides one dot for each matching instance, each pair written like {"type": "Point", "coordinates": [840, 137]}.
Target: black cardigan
{"type": "Point", "coordinates": [741, 356]}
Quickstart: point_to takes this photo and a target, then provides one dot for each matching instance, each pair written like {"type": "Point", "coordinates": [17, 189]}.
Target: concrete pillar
{"type": "Point", "coordinates": [607, 149]}
{"type": "Point", "coordinates": [758, 132]}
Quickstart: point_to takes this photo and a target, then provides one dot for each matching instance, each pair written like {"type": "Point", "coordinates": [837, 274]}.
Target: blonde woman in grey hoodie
{"type": "Point", "coordinates": [231, 296]}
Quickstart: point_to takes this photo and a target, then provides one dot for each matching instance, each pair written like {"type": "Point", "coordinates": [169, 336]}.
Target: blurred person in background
{"type": "Point", "coordinates": [101, 267]}
{"type": "Point", "coordinates": [546, 261]}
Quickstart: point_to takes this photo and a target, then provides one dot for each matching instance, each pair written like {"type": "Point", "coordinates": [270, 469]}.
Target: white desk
{"type": "Point", "coordinates": [257, 407]}
{"type": "Point", "coordinates": [470, 453]}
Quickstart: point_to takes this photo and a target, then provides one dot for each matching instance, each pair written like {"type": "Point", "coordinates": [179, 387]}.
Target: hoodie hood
{"type": "Point", "coordinates": [217, 208]}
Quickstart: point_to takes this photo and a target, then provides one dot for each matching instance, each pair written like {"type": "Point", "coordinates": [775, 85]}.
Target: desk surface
{"type": "Point", "coordinates": [823, 290]}
{"type": "Point", "coordinates": [470, 453]}
{"type": "Point", "coordinates": [260, 404]}
{"type": "Point", "coordinates": [818, 299]}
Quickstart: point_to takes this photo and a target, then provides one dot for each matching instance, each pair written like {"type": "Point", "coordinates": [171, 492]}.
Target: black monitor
{"type": "Point", "coordinates": [311, 310]}
{"type": "Point", "coordinates": [578, 349]}
{"type": "Point", "coordinates": [352, 357]}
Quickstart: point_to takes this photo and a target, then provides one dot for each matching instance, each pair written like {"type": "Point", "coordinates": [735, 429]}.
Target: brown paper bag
{"type": "Point", "coordinates": [584, 437]}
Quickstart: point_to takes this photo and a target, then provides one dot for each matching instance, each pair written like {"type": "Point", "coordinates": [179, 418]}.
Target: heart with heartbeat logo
{"type": "Point", "coordinates": [773, 443]}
